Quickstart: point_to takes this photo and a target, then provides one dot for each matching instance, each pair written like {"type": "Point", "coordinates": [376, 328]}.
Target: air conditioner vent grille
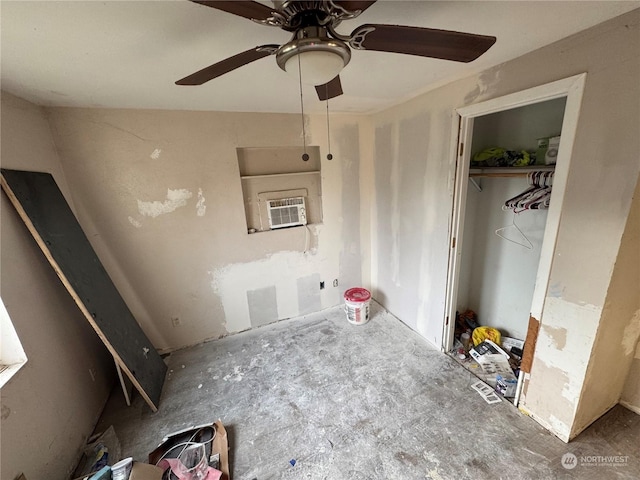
{"type": "Point", "coordinates": [287, 212]}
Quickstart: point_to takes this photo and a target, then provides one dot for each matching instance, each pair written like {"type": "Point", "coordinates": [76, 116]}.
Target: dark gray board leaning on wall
{"type": "Point", "coordinates": [49, 218]}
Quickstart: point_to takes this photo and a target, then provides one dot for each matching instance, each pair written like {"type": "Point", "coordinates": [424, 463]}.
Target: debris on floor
{"type": "Point", "coordinates": [195, 453]}
{"type": "Point", "coordinates": [138, 471]}
{"type": "Point", "coordinates": [101, 450]}
{"type": "Point", "coordinates": [491, 356]}
{"type": "Point", "coordinates": [103, 474]}
{"type": "Point", "coordinates": [486, 392]}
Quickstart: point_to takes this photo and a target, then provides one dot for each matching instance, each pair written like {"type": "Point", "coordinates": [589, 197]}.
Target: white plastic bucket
{"type": "Point", "coordinates": [356, 306]}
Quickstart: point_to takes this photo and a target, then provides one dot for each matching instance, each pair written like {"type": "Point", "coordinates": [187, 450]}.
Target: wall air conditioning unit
{"type": "Point", "coordinates": [286, 212]}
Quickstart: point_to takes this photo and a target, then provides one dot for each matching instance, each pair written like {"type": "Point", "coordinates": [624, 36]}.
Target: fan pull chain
{"type": "Point", "coordinates": [305, 155]}
{"type": "Point", "coordinates": [329, 155]}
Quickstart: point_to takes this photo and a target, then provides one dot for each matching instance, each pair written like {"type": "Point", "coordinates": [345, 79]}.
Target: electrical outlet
{"type": "Point", "coordinates": [175, 321]}
{"type": "Point", "coordinates": [335, 282]}
{"type": "Point", "coordinates": [321, 285]}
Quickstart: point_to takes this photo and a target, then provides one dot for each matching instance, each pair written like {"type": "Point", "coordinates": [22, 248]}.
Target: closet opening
{"type": "Point", "coordinates": [512, 164]}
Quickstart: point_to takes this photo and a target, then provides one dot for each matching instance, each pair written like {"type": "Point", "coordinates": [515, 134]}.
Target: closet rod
{"type": "Point", "coordinates": [502, 174]}
{"type": "Point", "coordinates": [509, 171]}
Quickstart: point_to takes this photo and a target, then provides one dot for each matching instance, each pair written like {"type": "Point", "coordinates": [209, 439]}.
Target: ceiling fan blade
{"type": "Point", "coordinates": [352, 6]}
{"type": "Point", "coordinates": [243, 8]}
{"type": "Point", "coordinates": [330, 90]}
{"type": "Point", "coordinates": [227, 65]}
{"type": "Point", "coordinates": [424, 42]}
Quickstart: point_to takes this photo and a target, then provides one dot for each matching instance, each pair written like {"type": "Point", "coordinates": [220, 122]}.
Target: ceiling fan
{"type": "Point", "coordinates": [320, 53]}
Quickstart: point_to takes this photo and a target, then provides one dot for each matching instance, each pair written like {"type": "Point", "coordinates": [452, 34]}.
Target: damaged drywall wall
{"type": "Point", "coordinates": [397, 180]}
{"type": "Point", "coordinates": [278, 285]}
{"type": "Point", "coordinates": [160, 198]}
{"type": "Point", "coordinates": [588, 238]}
{"type": "Point", "coordinates": [412, 180]}
{"type": "Point", "coordinates": [175, 199]}
{"type": "Point", "coordinates": [560, 364]}
{"type": "Point", "coordinates": [609, 378]}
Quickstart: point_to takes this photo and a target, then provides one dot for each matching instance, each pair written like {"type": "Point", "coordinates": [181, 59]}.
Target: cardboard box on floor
{"type": "Point", "coordinates": [220, 445]}
{"type": "Point", "coordinates": [144, 471]}
{"type": "Point", "coordinates": [139, 471]}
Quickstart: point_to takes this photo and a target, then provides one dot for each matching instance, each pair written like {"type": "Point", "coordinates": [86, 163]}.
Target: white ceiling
{"type": "Point", "coordinates": [128, 54]}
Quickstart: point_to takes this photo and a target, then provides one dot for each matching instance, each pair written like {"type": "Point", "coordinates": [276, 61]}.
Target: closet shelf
{"type": "Point", "coordinates": [509, 171]}
{"type": "Point", "coordinates": [289, 174]}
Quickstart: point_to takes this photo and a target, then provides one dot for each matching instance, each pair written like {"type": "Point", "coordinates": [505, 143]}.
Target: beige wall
{"type": "Point", "coordinates": [51, 405]}
{"type": "Point", "coordinates": [618, 331]}
{"type": "Point", "coordinates": [631, 393]}
{"type": "Point", "coordinates": [413, 198]}
{"type": "Point", "coordinates": [621, 322]}
{"type": "Point", "coordinates": [139, 180]}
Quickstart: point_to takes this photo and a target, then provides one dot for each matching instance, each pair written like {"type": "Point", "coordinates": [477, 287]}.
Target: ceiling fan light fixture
{"type": "Point", "coordinates": [318, 67]}
{"type": "Point", "coordinates": [320, 58]}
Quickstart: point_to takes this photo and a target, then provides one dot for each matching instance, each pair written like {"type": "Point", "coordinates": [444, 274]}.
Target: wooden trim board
{"type": "Point", "coordinates": [127, 387]}
{"type": "Point", "coordinates": [49, 219]}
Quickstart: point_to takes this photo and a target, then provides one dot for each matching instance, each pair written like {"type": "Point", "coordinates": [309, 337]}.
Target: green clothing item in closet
{"type": "Point", "coordinates": [500, 157]}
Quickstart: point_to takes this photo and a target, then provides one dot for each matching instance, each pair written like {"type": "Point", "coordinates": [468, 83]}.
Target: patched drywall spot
{"type": "Point", "coordinates": [412, 143]}
{"type": "Point", "coordinates": [282, 269]}
{"type": "Point", "coordinates": [383, 161]}
{"type": "Point", "coordinates": [175, 199]}
{"type": "Point", "coordinates": [550, 397]}
{"type": "Point", "coordinates": [309, 294]}
{"type": "Point", "coordinates": [201, 208]}
{"type": "Point", "coordinates": [582, 321]}
{"type": "Point", "coordinates": [631, 334]}
{"type": "Point", "coordinates": [395, 222]}
{"type": "Point", "coordinates": [559, 428]}
{"type": "Point", "coordinates": [485, 86]}
{"type": "Point", "coordinates": [263, 306]}
{"type": "Point", "coordinates": [350, 256]}
{"type": "Point", "coordinates": [557, 376]}
{"type": "Point", "coordinates": [555, 290]}
{"type": "Point", "coordinates": [156, 154]}
{"type": "Point", "coordinates": [557, 335]}
{"type": "Point", "coordinates": [134, 222]}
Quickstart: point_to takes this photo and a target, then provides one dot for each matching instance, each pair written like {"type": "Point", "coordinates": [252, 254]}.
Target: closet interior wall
{"type": "Point", "coordinates": [497, 277]}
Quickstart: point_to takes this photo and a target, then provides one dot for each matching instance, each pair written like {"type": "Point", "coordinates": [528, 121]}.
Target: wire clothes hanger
{"type": "Point", "coordinates": [521, 239]}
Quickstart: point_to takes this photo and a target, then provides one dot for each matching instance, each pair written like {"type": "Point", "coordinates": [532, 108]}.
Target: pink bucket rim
{"type": "Point", "coordinates": [357, 294]}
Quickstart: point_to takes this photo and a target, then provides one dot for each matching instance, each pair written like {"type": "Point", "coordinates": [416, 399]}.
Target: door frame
{"type": "Point", "coordinates": [572, 88]}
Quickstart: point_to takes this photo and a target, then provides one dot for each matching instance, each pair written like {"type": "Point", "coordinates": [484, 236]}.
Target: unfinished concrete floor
{"type": "Point", "coordinates": [347, 402]}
